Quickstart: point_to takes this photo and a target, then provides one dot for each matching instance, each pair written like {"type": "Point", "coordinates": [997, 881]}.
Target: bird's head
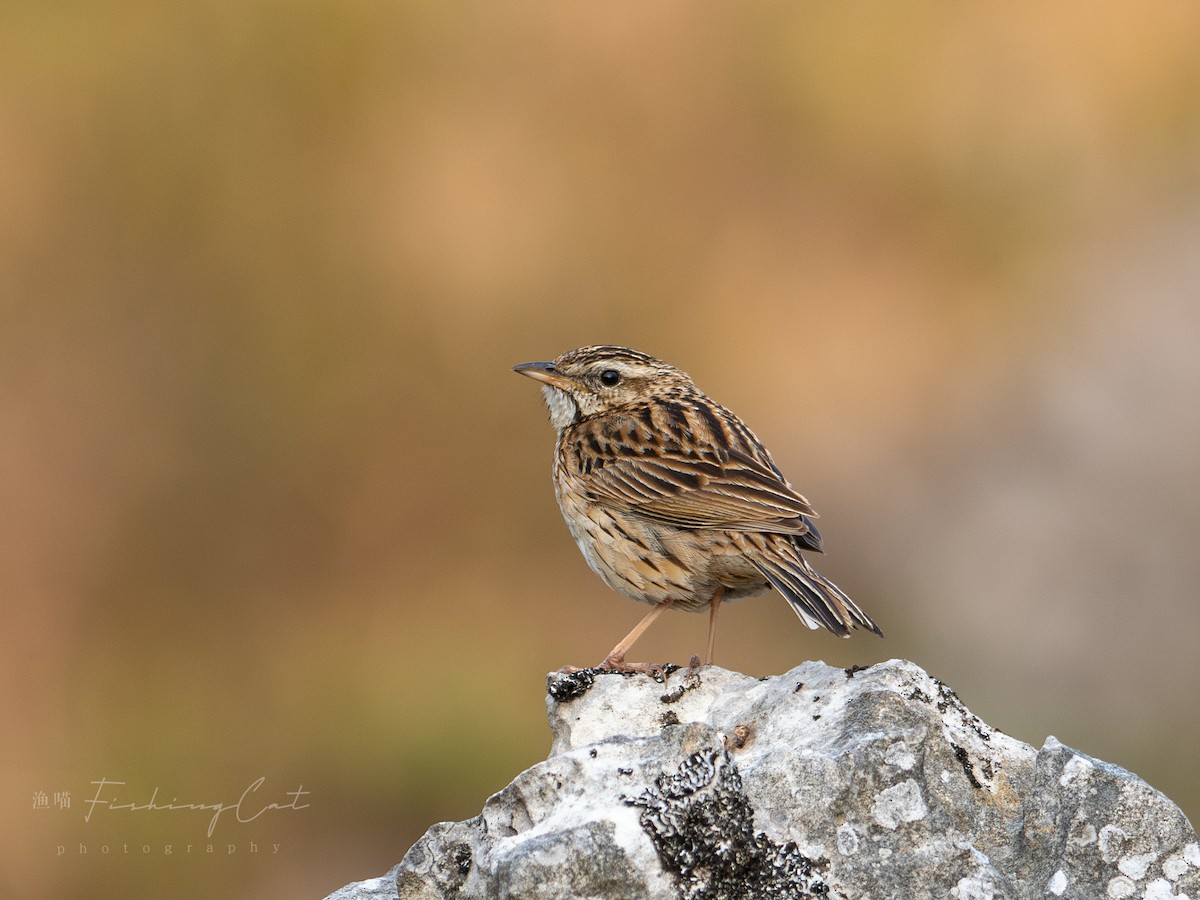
{"type": "Point", "coordinates": [593, 381]}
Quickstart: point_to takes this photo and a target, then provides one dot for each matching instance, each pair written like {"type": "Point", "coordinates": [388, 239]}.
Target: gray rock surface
{"type": "Point", "coordinates": [381, 888]}
{"type": "Point", "coordinates": [827, 783]}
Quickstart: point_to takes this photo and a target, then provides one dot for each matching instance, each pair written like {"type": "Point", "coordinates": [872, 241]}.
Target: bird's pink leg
{"type": "Point", "coordinates": [712, 624]}
{"type": "Point", "coordinates": [616, 658]}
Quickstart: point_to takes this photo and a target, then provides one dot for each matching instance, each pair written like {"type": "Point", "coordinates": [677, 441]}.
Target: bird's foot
{"type": "Point", "coordinates": [657, 671]}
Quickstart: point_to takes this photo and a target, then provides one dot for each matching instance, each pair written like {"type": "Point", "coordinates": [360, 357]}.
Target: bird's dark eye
{"type": "Point", "coordinates": [610, 377]}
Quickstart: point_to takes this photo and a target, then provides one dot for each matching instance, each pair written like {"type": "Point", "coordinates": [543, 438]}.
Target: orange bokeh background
{"type": "Point", "coordinates": [276, 506]}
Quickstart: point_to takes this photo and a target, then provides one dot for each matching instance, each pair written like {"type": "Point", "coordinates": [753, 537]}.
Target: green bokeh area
{"type": "Point", "coordinates": [275, 506]}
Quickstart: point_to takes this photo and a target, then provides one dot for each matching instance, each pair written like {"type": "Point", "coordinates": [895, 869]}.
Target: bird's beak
{"type": "Point", "coordinates": [545, 373]}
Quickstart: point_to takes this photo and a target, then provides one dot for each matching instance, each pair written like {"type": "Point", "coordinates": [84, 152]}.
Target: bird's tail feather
{"type": "Point", "coordinates": [815, 599]}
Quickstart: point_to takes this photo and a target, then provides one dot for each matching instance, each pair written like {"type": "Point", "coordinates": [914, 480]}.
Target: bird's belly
{"type": "Point", "coordinates": [654, 562]}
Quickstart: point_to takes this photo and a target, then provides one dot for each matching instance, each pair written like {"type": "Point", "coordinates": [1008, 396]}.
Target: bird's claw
{"type": "Point", "coordinates": [657, 671]}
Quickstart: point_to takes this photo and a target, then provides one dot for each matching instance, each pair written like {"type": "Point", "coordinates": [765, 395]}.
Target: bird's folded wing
{"type": "Point", "coordinates": [738, 493]}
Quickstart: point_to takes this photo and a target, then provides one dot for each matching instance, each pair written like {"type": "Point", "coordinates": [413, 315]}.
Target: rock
{"type": "Point", "coordinates": [824, 783]}
{"type": "Point", "coordinates": [382, 888]}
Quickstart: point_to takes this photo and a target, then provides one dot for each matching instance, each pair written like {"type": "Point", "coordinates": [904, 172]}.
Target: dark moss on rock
{"type": "Point", "coordinates": [702, 825]}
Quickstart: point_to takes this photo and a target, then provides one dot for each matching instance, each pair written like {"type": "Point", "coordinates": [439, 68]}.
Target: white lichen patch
{"type": "Point", "coordinates": [1174, 866]}
{"type": "Point", "coordinates": [1121, 887]}
{"type": "Point", "coordinates": [1076, 767]}
{"type": "Point", "coordinates": [847, 840]}
{"type": "Point", "coordinates": [974, 887]}
{"type": "Point", "coordinates": [900, 803]}
{"type": "Point", "coordinates": [1160, 889]}
{"type": "Point", "coordinates": [1057, 883]}
{"type": "Point", "coordinates": [1083, 834]}
{"type": "Point", "coordinates": [899, 755]}
{"type": "Point", "coordinates": [1136, 866]}
{"type": "Point", "coordinates": [1191, 854]}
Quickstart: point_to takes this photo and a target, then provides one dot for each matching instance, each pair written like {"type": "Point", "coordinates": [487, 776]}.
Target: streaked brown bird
{"type": "Point", "coordinates": [672, 500]}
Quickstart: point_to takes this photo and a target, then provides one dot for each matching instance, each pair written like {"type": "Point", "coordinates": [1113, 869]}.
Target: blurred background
{"type": "Point", "coordinates": [275, 507]}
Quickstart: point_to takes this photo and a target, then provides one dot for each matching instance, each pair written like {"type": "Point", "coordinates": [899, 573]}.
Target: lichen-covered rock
{"type": "Point", "coordinates": [825, 783]}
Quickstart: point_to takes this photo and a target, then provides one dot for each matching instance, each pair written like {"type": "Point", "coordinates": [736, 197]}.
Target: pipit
{"type": "Point", "coordinates": [672, 500]}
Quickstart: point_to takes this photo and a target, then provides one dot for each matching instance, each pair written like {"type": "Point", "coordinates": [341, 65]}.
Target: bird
{"type": "Point", "coordinates": [672, 499]}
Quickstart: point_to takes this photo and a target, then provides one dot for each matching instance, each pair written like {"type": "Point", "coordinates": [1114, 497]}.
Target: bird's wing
{"type": "Point", "coordinates": [730, 490]}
